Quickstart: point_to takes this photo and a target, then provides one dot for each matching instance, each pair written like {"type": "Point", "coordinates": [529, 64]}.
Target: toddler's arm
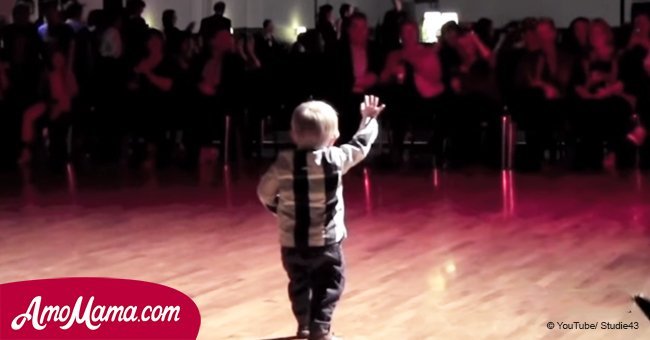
{"type": "Point", "coordinates": [267, 190]}
{"type": "Point", "coordinates": [358, 148]}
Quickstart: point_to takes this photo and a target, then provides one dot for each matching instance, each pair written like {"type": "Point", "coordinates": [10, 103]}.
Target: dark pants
{"type": "Point", "coordinates": [9, 136]}
{"type": "Point", "coordinates": [316, 282]}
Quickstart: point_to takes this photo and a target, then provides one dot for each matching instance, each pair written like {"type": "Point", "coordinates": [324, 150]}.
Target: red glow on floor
{"type": "Point", "coordinates": [436, 178]}
{"type": "Point", "coordinates": [508, 192]}
{"type": "Point", "coordinates": [367, 186]}
{"type": "Point", "coordinates": [227, 181]}
{"type": "Point", "coordinates": [71, 179]}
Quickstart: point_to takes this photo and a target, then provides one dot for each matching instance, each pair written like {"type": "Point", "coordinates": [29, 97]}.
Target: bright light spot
{"type": "Point", "coordinates": [149, 19]}
{"type": "Point", "coordinates": [449, 16]}
{"type": "Point", "coordinates": [300, 30]}
{"type": "Point", "coordinates": [433, 22]}
{"type": "Point", "coordinates": [437, 282]}
{"type": "Point", "coordinates": [450, 267]}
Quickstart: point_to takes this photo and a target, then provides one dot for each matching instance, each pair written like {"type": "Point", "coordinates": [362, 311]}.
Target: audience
{"type": "Point", "coordinates": [132, 92]}
{"type": "Point", "coordinates": [415, 73]}
{"type": "Point", "coordinates": [357, 64]}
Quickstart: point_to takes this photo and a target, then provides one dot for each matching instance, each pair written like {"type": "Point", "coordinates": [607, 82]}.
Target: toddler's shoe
{"type": "Point", "coordinates": [329, 336]}
{"type": "Point", "coordinates": [644, 304]}
{"type": "Point", "coordinates": [303, 332]}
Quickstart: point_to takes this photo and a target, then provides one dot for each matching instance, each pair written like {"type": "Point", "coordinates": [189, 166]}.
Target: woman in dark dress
{"type": "Point", "coordinates": [54, 109]}
{"type": "Point", "coordinates": [218, 78]}
{"type": "Point", "coordinates": [183, 90]}
{"type": "Point", "coordinates": [604, 111]}
{"type": "Point", "coordinates": [634, 71]}
{"type": "Point", "coordinates": [475, 109]}
{"type": "Point", "coordinates": [415, 73]}
{"type": "Point", "coordinates": [150, 84]}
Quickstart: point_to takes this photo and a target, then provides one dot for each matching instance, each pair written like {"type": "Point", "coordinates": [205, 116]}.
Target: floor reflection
{"type": "Point", "coordinates": [227, 183]}
{"type": "Point", "coordinates": [508, 192]}
{"type": "Point", "coordinates": [436, 178]}
{"type": "Point", "coordinates": [28, 189]}
{"type": "Point", "coordinates": [367, 186]}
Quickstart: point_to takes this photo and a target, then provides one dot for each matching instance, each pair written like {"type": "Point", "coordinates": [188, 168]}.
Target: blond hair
{"type": "Point", "coordinates": [314, 124]}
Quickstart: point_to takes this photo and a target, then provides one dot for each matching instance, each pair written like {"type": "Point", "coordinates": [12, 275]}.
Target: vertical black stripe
{"type": "Point", "coordinates": [331, 185]}
{"type": "Point", "coordinates": [301, 198]}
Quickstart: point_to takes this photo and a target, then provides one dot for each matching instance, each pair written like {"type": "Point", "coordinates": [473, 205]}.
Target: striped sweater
{"type": "Point", "coordinates": [304, 189]}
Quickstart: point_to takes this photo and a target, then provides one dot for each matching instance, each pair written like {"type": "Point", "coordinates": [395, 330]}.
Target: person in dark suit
{"type": "Point", "coordinates": [135, 31]}
{"type": "Point", "coordinates": [55, 33]}
{"type": "Point", "coordinates": [390, 27]}
{"type": "Point", "coordinates": [215, 23]}
{"type": "Point", "coordinates": [325, 26]}
{"type": "Point", "coordinates": [273, 72]}
{"type": "Point", "coordinates": [22, 49]}
{"type": "Point", "coordinates": [357, 65]}
{"type": "Point", "coordinates": [543, 83]}
{"type": "Point", "coordinates": [266, 46]}
{"type": "Point", "coordinates": [173, 35]}
{"type": "Point", "coordinates": [345, 11]}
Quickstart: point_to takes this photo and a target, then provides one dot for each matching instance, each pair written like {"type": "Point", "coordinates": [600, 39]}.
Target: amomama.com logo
{"type": "Point", "coordinates": [92, 316]}
{"type": "Point", "coordinates": [95, 308]}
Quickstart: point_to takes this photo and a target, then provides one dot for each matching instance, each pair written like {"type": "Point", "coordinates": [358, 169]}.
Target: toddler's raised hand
{"type": "Point", "coordinates": [371, 107]}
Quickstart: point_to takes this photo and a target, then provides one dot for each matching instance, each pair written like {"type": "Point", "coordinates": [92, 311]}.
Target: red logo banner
{"type": "Point", "coordinates": [97, 308]}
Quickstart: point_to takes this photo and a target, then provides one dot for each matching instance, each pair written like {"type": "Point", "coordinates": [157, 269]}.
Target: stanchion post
{"type": "Point", "coordinates": [504, 141]}
{"type": "Point", "coordinates": [226, 141]}
{"type": "Point", "coordinates": [512, 142]}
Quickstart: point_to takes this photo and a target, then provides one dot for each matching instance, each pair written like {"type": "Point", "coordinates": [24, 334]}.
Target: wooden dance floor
{"type": "Point", "coordinates": [444, 256]}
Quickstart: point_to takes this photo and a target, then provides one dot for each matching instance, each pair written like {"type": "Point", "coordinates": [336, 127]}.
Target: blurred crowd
{"type": "Point", "coordinates": [104, 86]}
